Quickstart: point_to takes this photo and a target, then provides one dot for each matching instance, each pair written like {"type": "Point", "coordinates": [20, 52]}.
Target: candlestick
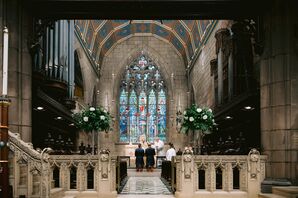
{"type": "Point", "coordinates": [5, 62]}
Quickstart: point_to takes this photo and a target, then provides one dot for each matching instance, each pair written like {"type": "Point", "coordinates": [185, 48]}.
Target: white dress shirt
{"type": "Point", "coordinates": [170, 153]}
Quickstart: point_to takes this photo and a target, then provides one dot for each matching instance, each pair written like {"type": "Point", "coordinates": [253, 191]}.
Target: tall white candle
{"type": "Point", "coordinates": [5, 62]}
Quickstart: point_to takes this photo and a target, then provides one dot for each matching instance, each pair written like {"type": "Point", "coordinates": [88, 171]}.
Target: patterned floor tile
{"type": "Point", "coordinates": [145, 185]}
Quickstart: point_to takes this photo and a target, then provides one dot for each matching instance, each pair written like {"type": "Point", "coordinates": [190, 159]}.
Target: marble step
{"type": "Point", "coordinates": [269, 195]}
{"type": "Point", "coordinates": [144, 173]}
{"type": "Point", "coordinates": [82, 194]}
{"type": "Point", "coordinates": [286, 191]}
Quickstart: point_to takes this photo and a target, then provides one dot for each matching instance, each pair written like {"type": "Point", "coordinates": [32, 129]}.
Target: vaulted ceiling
{"type": "Point", "coordinates": [100, 36]}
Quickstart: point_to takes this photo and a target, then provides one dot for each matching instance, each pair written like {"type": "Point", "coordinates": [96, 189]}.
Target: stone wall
{"type": "Point", "coordinates": [279, 91]}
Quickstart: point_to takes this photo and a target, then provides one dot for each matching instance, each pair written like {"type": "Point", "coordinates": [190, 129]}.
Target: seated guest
{"type": "Point", "coordinates": [171, 152]}
{"type": "Point", "coordinates": [149, 153]}
{"type": "Point", "coordinates": [179, 152]}
{"type": "Point", "coordinates": [139, 153]}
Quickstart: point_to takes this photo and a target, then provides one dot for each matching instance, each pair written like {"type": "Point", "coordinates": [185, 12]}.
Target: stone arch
{"type": "Point", "coordinates": [171, 67]}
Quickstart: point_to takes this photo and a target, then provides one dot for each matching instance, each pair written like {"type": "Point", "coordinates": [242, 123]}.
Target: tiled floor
{"type": "Point", "coordinates": [146, 186]}
{"type": "Point", "coordinates": [145, 196]}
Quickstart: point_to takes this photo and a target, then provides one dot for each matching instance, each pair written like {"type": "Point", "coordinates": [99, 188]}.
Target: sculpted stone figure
{"type": "Point", "coordinates": [104, 159]}
{"type": "Point", "coordinates": [254, 163]}
{"type": "Point", "coordinates": [187, 159]}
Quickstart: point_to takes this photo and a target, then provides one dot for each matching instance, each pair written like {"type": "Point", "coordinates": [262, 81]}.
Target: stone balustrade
{"type": "Point", "coordinates": [84, 173]}
{"type": "Point", "coordinates": [25, 168]}
{"type": "Point", "coordinates": [218, 175]}
{"type": "Point", "coordinates": [37, 174]}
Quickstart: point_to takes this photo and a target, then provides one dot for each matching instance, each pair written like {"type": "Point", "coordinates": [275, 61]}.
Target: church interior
{"type": "Point", "coordinates": [86, 83]}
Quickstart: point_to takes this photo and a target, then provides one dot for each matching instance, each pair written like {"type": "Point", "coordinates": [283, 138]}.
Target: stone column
{"type": "Point", "coordinates": [19, 69]}
{"type": "Point", "coordinates": [279, 91]}
{"type": "Point", "coordinates": [213, 64]}
{"type": "Point", "coordinates": [221, 46]}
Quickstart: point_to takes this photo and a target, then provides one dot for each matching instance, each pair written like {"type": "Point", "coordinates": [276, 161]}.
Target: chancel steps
{"type": "Point", "coordinates": [281, 192]}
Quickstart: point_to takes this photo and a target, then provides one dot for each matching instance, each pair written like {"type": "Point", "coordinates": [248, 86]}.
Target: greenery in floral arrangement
{"type": "Point", "coordinates": [93, 118]}
{"type": "Point", "coordinates": [196, 118]}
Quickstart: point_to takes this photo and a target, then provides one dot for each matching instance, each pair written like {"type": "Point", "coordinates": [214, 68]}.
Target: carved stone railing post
{"type": "Point", "coordinates": [104, 182]}
{"type": "Point", "coordinates": [187, 180]}
{"type": "Point", "coordinates": [228, 184]}
{"type": "Point", "coordinates": [254, 173]}
{"type": "Point", "coordinates": [81, 176]}
{"type": "Point", "coordinates": [212, 176]}
{"type": "Point", "coordinates": [113, 173]}
{"type": "Point", "coordinates": [96, 176]}
{"type": "Point", "coordinates": [178, 172]}
{"type": "Point", "coordinates": [243, 177]}
{"type": "Point", "coordinates": [64, 176]}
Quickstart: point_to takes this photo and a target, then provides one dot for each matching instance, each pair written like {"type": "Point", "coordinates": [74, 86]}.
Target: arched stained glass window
{"type": "Point", "coordinates": [142, 102]}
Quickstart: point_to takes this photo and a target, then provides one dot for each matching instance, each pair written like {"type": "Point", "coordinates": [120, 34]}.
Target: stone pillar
{"type": "Point", "coordinates": [221, 49]}
{"type": "Point", "coordinates": [279, 91]}
{"type": "Point", "coordinates": [19, 69]}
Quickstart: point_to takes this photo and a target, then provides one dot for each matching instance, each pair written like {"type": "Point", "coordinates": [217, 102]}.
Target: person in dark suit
{"type": "Point", "coordinates": [139, 153]}
{"type": "Point", "coordinates": [149, 153]}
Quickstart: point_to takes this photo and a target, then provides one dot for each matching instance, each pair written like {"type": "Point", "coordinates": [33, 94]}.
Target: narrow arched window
{"type": "Point", "coordinates": [142, 109]}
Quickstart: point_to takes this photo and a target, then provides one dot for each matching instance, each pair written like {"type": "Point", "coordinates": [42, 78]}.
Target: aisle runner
{"type": "Point", "coordinates": [145, 185]}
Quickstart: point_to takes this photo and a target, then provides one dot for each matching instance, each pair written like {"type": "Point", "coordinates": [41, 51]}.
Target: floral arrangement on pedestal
{"type": "Point", "coordinates": [200, 121]}
{"type": "Point", "coordinates": [196, 118]}
{"type": "Point", "coordinates": [93, 119]}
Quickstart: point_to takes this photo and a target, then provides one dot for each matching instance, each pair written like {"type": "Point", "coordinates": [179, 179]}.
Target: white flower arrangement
{"type": "Point", "coordinates": [94, 118]}
{"type": "Point", "coordinates": [196, 118]}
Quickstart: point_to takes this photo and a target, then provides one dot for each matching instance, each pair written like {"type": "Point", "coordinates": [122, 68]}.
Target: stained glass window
{"type": "Point", "coordinates": [142, 109]}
